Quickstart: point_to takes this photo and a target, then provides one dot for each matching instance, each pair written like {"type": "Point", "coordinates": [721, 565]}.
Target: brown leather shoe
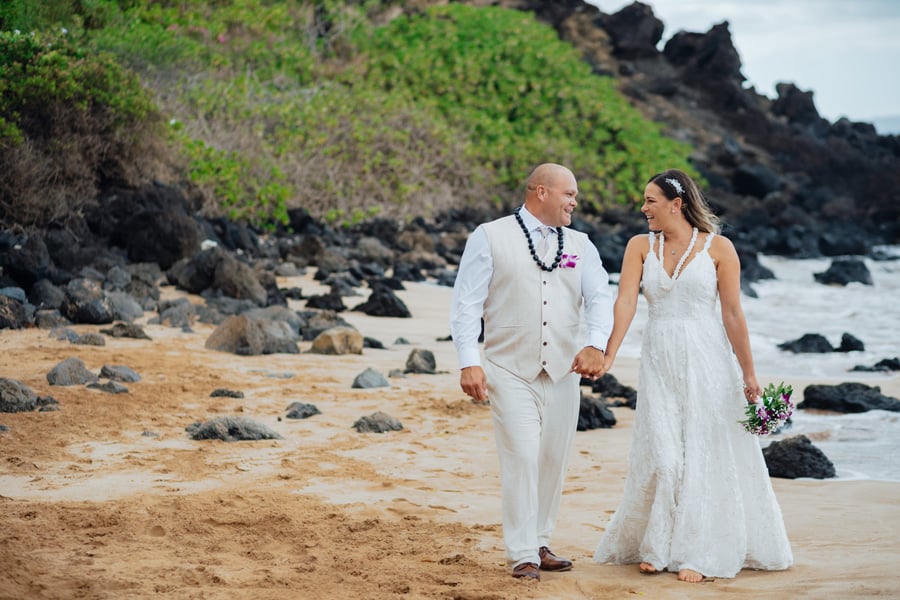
{"type": "Point", "coordinates": [551, 562]}
{"type": "Point", "coordinates": [527, 571]}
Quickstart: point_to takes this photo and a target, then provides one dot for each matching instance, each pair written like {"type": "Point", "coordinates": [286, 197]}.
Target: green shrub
{"type": "Point", "coordinates": [523, 96]}
{"type": "Point", "coordinates": [277, 105]}
{"type": "Point", "coordinates": [41, 15]}
{"type": "Point", "coordinates": [70, 119]}
{"type": "Point", "coordinates": [265, 125]}
{"type": "Point", "coordinates": [358, 148]}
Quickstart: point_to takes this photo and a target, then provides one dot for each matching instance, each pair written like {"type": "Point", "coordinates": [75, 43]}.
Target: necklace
{"type": "Point", "coordinates": [687, 252]}
{"type": "Point", "coordinates": [540, 263]}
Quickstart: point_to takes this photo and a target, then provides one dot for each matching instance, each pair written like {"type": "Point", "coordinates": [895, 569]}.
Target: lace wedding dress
{"type": "Point", "coordinates": [697, 494]}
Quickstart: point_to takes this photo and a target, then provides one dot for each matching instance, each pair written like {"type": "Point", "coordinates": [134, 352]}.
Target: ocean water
{"type": "Point", "coordinates": [861, 446]}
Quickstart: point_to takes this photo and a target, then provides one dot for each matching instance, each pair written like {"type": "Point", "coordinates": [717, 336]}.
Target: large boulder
{"type": "Point", "coordinates": [848, 397]}
{"type": "Point", "coordinates": [26, 260]}
{"type": "Point", "coordinates": [370, 378]}
{"type": "Point", "coordinates": [216, 270]}
{"type": "Point", "coordinates": [317, 321]}
{"type": "Point", "coordinates": [15, 396]}
{"type": "Point", "coordinates": [152, 223]}
{"type": "Point", "coordinates": [46, 295]}
{"type": "Point", "coordinates": [12, 313]}
{"type": "Point", "coordinates": [377, 422]}
{"type": "Point", "coordinates": [421, 361]}
{"type": "Point", "coordinates": [797, 457]}
{"type": "Point", "coordinates": [71, 371]}
{"type": "Point", "coordinates": [383, 302]}
{"type": "Point", "coordinates": [593, 413]}
{"type": "Point", "coordinates": [338, 340]}
{"type": "Point", "coordinates": [808, 343]}
{"type": "Point", "coordinates": [845, 270]}
{"type": "Point", "coordinates": [231, 429]}
{"type": "Point", "coordinates": [250, 337]}
{"type": "Point", "coordinates": [86, 302]}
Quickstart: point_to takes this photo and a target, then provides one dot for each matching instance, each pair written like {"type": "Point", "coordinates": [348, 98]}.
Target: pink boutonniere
{"type": "Point", "coordinates": [568, 261]}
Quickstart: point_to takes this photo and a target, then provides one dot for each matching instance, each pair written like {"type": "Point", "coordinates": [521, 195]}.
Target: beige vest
{"type": "Point", "coordinates": [531, 317]}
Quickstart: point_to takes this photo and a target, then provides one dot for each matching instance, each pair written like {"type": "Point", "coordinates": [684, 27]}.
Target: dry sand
{"type": "Point", "coordinates": [91, 508]}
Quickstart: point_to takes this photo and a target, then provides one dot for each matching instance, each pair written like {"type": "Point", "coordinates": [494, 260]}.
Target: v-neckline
{"type": "Point", "coordinates": [684, 267]}
{"type": "Point", "coordinates": [688, 261]}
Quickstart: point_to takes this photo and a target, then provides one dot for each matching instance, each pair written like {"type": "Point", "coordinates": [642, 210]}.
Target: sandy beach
{"type": "Point", "coordinates": [108, 497]}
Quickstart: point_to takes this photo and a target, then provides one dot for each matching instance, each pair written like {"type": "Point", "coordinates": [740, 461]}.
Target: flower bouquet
{"type": "Point", "coordinates": [771, 412]}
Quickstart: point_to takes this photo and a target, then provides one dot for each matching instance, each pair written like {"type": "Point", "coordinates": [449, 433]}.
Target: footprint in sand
{"type": "Point", "coordinates": [406, 501]}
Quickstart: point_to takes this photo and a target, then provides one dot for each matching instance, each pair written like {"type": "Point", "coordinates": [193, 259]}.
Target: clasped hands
{"type": "Point", "coordinates": [590, 363]}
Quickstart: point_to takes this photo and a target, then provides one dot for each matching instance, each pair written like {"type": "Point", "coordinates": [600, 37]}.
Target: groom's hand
{"type": "Point", "coordinates": [589, 362]}
{"type": "Point", "coordinates": [474, 383]}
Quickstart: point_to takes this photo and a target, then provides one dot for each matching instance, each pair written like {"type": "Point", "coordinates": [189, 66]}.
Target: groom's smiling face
{"type": "Point", "coordinates": [558, 200]}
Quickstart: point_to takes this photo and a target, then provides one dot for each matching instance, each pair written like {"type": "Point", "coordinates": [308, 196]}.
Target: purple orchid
{"type": "Point", "coordinates": [568, 261]}
{"type": "Point", "coordinates": [771, 412]}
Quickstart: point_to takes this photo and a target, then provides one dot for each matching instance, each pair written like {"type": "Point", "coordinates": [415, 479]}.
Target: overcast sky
{"type": "Point", "coordinates": [847, 52]}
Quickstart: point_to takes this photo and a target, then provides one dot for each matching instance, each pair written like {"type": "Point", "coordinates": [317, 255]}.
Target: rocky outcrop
{"type": "Point", "coordinates": [774, 167]}
{"type": "Point", "coordinates": [152, 224]}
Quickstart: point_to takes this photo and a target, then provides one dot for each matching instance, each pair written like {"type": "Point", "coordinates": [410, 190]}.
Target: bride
{"type": "Point", "coordinates": [697, 498]}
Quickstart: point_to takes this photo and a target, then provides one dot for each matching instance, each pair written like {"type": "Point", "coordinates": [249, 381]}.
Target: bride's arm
{"type": "Point", "coordinates": [626, 300]}
{"type": "Point", "coordinates": [728, 270]}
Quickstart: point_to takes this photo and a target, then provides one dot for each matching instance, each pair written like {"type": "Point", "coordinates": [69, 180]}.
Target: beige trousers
{"type": "Point", "coordinates": [534, 426]}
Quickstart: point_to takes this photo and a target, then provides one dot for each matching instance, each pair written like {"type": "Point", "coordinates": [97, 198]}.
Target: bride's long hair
{"type": "Point", "coordinates": [693, 204]}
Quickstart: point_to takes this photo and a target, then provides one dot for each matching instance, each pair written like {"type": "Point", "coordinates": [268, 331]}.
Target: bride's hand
{"type": "Point", "coordinates": [608, 361]}
{"type": "Point", "coordinates": [752, 391]}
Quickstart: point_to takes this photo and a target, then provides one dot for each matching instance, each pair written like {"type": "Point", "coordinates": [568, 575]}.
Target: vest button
{"type": "Point", "coordinates": [543, 362]}
{"type": "Point", "coordinates": [545, 343]}
{"type": "Point", "coordinates": [545, 302]}
{"type": "Point", "coordinates": [545, 323]}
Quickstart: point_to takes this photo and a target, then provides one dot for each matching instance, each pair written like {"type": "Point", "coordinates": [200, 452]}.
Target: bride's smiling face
{"type": "Point", "coordinates": [656, 206]}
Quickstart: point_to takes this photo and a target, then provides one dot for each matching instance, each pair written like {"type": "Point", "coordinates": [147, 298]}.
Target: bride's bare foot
{"type": "Point", "coordinates": [647, 568]}
{"type": "Point", "coordinates": [690, 576]}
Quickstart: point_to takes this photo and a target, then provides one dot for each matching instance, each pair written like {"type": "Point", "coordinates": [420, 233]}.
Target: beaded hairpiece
{"type": "Point", "coordinates": [675, 184]}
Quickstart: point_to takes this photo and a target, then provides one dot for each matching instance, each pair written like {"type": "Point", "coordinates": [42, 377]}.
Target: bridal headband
{"type": "Point", "coordinates": [675, 184]}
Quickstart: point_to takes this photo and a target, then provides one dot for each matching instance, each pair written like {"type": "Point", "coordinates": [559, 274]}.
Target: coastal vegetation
{"type": "Point", "coordinates": [345, 109]}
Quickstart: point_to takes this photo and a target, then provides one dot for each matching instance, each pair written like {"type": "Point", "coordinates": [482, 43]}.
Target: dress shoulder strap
{"type": "Point", "coordinates": [709, 239]}
{"type": "Point", "coordinates": [651, 237]}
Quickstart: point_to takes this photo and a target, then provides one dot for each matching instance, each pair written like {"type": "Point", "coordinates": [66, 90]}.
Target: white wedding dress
{"type": "Point", "coordinates": [697, 494]}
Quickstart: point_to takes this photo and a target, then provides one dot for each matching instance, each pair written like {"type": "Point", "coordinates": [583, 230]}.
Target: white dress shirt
{"type": "Point", "coordinates": [473, 278]}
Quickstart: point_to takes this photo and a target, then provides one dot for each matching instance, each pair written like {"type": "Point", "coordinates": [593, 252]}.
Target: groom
{"type": "Point", "coordinates": [530, 278]}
